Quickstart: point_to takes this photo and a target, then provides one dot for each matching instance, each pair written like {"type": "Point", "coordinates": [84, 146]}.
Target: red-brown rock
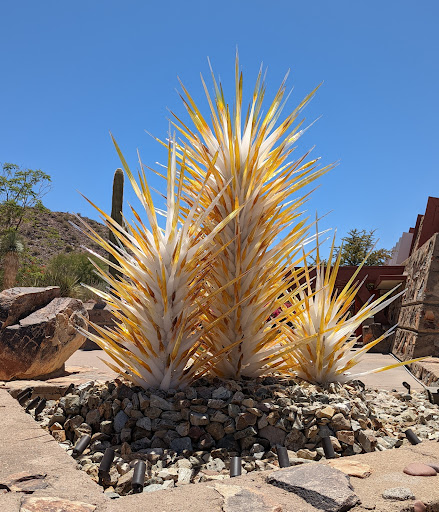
{"type": "Point", "coordinates": [419, 469]}
{"type": "Point", "coordinates": [39, 344]}
{"type": "Point", "coordinates": [16, 303]}
{"type": "Point", "coordinates": [24, 482]}
{"type": "Point", "coordinates": [419, 506]}
{"type": "Point", "coordinates": [54, 505]}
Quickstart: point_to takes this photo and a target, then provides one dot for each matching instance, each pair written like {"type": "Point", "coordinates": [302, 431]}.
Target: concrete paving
{"type": "Point", "coordinates": [24, 446]}
{"type": "Point", "coordinates": [390, 379]}
{"type": "Point", "coordinates": [86, 365]}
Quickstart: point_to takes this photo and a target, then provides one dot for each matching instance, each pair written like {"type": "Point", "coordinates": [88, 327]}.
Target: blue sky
{"type": "Point", "coordinates": [72, 72]}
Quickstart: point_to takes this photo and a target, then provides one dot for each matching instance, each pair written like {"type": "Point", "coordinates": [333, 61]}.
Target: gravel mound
{"type": "Point", "coordinates": [189, 436]}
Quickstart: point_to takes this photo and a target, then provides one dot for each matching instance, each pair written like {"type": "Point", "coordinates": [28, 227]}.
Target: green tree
{"type": "Point", "coordinates": [21, 190]}
{"type": "Point", "coordinates": [357, 244]}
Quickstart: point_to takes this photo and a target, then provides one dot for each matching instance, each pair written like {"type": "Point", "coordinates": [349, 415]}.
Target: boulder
{"type": "Point", "coordinates": [100, 314]}
{"type": "Point", "coordinates": [273, 434]}
{"type": "Point", "coordinates": [40, 504]}
{"type": "Point", "coordinates": [323, 487]}
{"type": "Point", "coordinates": [39, 344]}
{"type": "Point", "coordinates": [17, 303]}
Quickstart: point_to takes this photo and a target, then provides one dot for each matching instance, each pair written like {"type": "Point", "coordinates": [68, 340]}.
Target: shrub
{"type": "Point", "coordinates": [75, 264]}
{"type": "Point", "coordinates": [68, 271]}
{"type": "Point", "coordinates": [68, 283]}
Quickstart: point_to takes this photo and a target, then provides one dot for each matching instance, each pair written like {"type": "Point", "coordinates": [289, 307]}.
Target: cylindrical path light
{"type": "Point", "coordinates": [81, 445]}
{"type": "Point", "coordinates": [24, 396]}
{"type": "Point", "coordinates": [105, 465]}
{"type": "Point", "coordinates": [138, 477]}
{"type": "Point", "coordinates": [235, 466]}
{"type": "Point", "coordinates": [32, 404]}
{"type": "Point", "coordinates": [407, 387]}
{"type": "Point", "coordinates": [23, 393]}
{"type": "Point", "coordinates": [282, 456]}
{"type": "Point", "coordinates": [412, 437]}
{"type": "Point", "coordinates": [328, 448]}
{"type": "Point", "coordinates": [69, 389]}
{"type": "Point", "coordinates": [40, 407]}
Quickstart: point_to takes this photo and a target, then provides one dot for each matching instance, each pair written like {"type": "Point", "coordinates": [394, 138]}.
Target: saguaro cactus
{"type": "Point", "coordinates": [116, 214]}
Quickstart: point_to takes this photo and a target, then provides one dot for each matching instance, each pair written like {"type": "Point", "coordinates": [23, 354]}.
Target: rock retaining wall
{"type": "Point", "coordinates": [38, 331]}
{"type": "Point", "coordinates": [418, 330]}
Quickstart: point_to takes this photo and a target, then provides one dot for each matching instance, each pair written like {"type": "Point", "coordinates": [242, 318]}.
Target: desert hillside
{"type": "Point", "coordinates": [49, 233]}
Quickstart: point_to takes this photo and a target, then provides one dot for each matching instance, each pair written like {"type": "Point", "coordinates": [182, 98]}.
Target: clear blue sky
{"type": "Point", "coordinates": [73, 71]}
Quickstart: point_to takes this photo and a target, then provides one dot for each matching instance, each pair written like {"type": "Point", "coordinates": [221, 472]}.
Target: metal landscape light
{"type": "Point", "coordinates": [361, 384]}
{"type": "Point", "coordinates": [25, 395]}
{"type": "Point", "coordinates": [81, 445]}
{"type": "Point", "coordinates": [407, 387]}
{"type": "Point", "coordinates": [40, 407]}
{"type": "Point", "coordinates": [282, 456]}
{"type": "Point", "coordinates": [69, 389]}
{"type": "Point", "coordinates": [235, 466]}
{"type": "Point", "coordinates": [328, 448]}
{"type": "Point", "coordinates": [138, 477]}
{"type": "Point", "coordinates": [433, 394]}
{"type": "Point", "coordinates": [32, 404]}
{"type": "Point", "coordinates": [412, 437]}
{"type": "Point", "coordinates": [105, 465]}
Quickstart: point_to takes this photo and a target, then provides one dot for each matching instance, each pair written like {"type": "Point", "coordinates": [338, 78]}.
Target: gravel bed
{"type": "Point", "coordinates": [189, 436]}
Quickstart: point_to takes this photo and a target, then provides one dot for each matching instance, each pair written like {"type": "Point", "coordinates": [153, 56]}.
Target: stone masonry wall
{"type": "Point", "coordinates": [418, 330]}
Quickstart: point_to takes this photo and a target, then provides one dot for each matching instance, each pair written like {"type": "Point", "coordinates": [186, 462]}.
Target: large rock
{"type": "Point", "coordinates": [238, 499]}
{"type": "Point", "coordinates": [17, 303]}
{"type": "Point", "coordinates": [39, 344]}
{"type": "Point", "coordinates": [273, 434]}
{"type": "Point", "coordinates": [321, 486]}
{"type": "Point", "coordinates": [40, 504]}
{"type": "Point", "coordinates": [100, 314]}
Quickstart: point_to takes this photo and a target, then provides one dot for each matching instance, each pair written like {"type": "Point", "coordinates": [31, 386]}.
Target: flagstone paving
{"type": "Point", "coordinates": [25, 447]}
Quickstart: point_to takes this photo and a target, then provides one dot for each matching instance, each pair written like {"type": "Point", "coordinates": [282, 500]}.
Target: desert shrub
{"type": "Point", "coordinates": [68, 271]}
{"type": "Point", "coordinates": [68, 283]}
{"type": "Point", "coordinates": [31, 269]}
{"type": "Point", "coordinates": [75, 264]}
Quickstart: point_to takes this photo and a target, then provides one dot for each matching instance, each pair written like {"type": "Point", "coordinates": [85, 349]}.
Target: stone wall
{"type": "Point", "coordinates": [418, 323]}
{"type": "Point", "coordinates": [100, 314]}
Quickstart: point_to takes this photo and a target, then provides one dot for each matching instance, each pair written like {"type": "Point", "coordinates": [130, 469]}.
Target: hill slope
{"type": "Point", "coordinates": [49, 233]}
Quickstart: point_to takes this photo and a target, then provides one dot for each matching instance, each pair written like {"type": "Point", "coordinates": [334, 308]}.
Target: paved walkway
{"type": "Point", "coordinates": [390, 379]}
{"type": "Point", "coordinates": [87, 365]}
{"type": "Point", "coordinates": [25, 447]}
